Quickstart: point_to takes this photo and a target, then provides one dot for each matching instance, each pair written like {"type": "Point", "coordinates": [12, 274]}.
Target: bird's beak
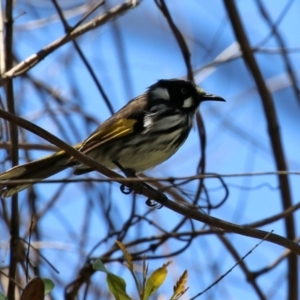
{"type": "Point", "coordinates": [210, 97]}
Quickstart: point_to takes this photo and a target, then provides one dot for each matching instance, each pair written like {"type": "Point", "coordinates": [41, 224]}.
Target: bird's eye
{"type": "Point", "coordinates": [183, 91]}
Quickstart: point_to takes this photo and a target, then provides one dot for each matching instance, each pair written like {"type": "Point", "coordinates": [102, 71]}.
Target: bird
{"type": "Point", "coordinates": [144, 133]}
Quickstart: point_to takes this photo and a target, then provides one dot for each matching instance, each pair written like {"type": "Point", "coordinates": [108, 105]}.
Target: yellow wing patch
{"type": "Point", "coordinates": [118, 129]}
{"type": "Point", "coordinates": [12, 173]}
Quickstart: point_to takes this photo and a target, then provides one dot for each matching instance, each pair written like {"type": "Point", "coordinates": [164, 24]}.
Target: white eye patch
{"type": "Point", "coordinates": [188, 102]}
{"type": "Point", "coordinates": [160, 93]}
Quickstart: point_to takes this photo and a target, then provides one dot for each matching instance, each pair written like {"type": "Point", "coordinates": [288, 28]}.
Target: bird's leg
{"type": "Point", "coordinates": [131, 173]}
{"type": "Point", "coordinates": [128, 173]}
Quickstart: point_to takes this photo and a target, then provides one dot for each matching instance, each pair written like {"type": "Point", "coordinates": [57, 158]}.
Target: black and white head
{"type": "Point", "coordinates": [180, 94]}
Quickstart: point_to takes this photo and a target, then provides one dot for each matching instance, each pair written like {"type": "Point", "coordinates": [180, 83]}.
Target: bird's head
{"type": "Point", "coordinates": [183, 94]}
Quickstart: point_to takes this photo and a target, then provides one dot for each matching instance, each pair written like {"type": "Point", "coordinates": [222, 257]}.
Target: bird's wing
{"type": "Point", "coordinates": [126, 121]}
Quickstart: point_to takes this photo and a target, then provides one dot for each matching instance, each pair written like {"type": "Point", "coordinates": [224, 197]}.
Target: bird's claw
{"type": "Point", "coordinates": [125, 189]}
{"type": "Point", "coordinates": [150, 202]}
{"type": "Point", "coordinates": [153, 203]}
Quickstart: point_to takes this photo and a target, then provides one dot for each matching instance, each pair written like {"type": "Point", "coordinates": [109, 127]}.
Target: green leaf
{"type": "Point", "coordinates": [155, 280]}
{"type": "Point", "coordinates": [116, 284]}
{"type": "Point", "coordinates": [99, 266]}
{"type": "Point", "coordinates": [2, 297]}
{"type": "Point", "coordinates": [49, 285]}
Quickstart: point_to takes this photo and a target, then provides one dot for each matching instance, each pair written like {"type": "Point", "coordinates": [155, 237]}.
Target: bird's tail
{"type": "Point", "coordinates": [37, 169]}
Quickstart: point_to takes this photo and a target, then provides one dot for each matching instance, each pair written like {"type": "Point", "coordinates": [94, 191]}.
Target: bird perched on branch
{"type": "Point", "coordinates": [142, 134]}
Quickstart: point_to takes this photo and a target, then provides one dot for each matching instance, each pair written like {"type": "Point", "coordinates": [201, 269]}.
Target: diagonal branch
{"type": "Point", "coordinates": [151, 193]}
{"type": "Point", "coordinates": [34, 59]}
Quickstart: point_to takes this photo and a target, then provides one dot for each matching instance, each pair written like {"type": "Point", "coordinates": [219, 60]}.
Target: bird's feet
{"type": "Point", "coordinates": [138, 187]}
